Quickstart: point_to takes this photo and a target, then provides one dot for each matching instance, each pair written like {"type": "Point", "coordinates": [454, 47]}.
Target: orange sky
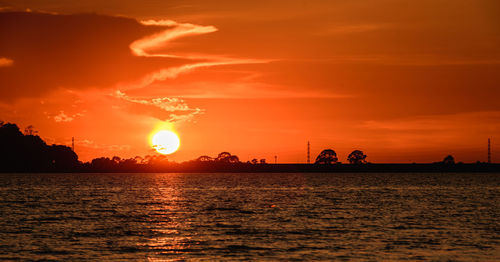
{"type": "Point", "coordinates": [404, 81]}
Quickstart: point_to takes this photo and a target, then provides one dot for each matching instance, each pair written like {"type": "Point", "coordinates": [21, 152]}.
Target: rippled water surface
{"type": "Point", "coordinates": [438, 217]}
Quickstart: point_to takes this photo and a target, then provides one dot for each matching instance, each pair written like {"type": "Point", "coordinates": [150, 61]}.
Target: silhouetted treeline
{"type": "Point", "coordinates": [160, 163]}
{"type": "Point", "coordinates": [226, 162]}
{"type": "Point", "coordinates": [29, 153]}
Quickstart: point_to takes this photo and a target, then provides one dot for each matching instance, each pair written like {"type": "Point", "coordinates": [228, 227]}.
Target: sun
{"type": "Point", "coordinates": [165, 142]}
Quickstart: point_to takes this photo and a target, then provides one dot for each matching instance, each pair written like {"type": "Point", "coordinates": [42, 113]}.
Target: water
{"type": "Point", "coordinates": [441, 217]}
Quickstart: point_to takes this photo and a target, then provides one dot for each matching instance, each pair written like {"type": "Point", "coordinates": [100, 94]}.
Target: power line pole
{"type": "Point", "coordinates": [308, 152]}
{"type": "Point", "coordinates": [73, 144]}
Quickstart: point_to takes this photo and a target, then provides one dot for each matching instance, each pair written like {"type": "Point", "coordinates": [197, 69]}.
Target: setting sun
{"type": "Point", "coordinates": [165, 142]}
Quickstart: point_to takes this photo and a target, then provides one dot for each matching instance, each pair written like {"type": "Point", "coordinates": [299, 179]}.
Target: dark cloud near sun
{"type": "Point", "coordinates": [47, 51]}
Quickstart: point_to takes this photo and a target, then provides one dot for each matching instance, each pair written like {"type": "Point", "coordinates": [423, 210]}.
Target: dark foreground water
{"type": "Point", "coordinates": [441, 217]}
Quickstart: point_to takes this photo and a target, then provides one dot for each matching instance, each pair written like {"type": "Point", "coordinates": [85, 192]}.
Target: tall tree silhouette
{"type": "Point", "coordinates": [357, 157]}
{"type": "Point", "coordinates": [449, 160]}
{"type": "Point", "coordinates": [327, 156]}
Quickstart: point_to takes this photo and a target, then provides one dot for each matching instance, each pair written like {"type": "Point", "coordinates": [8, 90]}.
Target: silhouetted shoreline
{"type": "Point", "coordinates": [28, 153]}
{"type": "Point", "coordinates": [309, 168]}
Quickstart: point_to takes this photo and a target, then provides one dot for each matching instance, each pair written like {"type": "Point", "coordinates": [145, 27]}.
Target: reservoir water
{"type": "Point", "coordinates": [156, 217]}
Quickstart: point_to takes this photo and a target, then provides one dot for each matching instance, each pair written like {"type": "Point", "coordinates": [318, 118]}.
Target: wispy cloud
{"type": "Point", "coordinates": [144, 46]}
{"type": "Point", "coordinates": [355, 28]}
{"type": "Point", "coordinates": [5, 62]}
{"type": "Point", "coordinates": [174, 72]}
{"type": "Point", "coordinates": [63, 117]}
{"type": "Point", "coordinates": [178, 109]}
{"type": "Point", "coordinates": [91, 144]}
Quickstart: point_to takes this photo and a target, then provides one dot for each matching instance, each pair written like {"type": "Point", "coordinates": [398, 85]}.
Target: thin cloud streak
{"type": "Point", "coordinates": [352, 29]}
{"type": "Point", "coordinates": [142, 46]}
{"type": "Point", "coordinates": [174, 72]}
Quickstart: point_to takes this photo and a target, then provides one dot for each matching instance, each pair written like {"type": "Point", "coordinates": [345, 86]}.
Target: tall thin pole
{"type": "Point", "coordinates": [489, 151]}
{"type": "Point", "coordinates": [73, 144]}
{"type": "Point", "coordinates": [308, 152]}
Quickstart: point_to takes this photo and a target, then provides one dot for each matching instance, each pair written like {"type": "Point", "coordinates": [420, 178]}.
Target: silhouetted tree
{"type": "Point", "coordinates": [255, 161]}
{"type": "Point", "coordinates": [156, 160]}
{"type": "Point", "coordinates": [102, 163]}
{"type": "Point", "coordinates": [226, 157]}
{"type": "Point", "coordinates": [223, 157]}
{"type": "Point", "coordinates": [327, 156]}
{"type": "Point", "coordinates": [204, 159]}
{"type": "Point", "coordinates": [30, 131]}
{"type": "Point", "coordinates": [234, 159]}
{"type": "Point", "coordinates": [139, 159]}
{"type": "Point", "coordinates": [357, 157]}
{"type": "Point", "coordinates": [116, 159]}
{"type": "Point", "coordinates": [449, 160]}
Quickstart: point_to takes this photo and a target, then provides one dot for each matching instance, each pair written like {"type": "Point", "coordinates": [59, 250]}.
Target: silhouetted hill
{"type": "Point", "coordinates": [29, 153]}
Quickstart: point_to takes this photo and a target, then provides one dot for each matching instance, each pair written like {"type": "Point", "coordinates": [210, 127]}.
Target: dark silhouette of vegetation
{"type": "Point", "coordinates": [204, 159]}
{"type": "Point", "coordinates": [149, 163]}
{"type": "Point", "coordinates": [449, 160]}
{"type": "Point", "coordinates": [226, 157]}
{"type": "Point", "coordinates": [357, 157]}
{"type": "Point", "coordinates": [29, 153]}
{"type": "Point", "coordinates": [327, 156]}
{"type": "Point", "coordinates": [30, 131]}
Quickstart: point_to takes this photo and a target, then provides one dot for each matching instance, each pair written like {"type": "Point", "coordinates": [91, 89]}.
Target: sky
{"type": "Point", "coordinates": [402, 80]}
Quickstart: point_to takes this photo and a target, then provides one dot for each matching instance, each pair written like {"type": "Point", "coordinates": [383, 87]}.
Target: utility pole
{"type": "Point", "coordinates": [276, 159]}
{"type": "Point", "coordinates": [308, 152]}
{"type": "Point", "coordinates": [73, 144]}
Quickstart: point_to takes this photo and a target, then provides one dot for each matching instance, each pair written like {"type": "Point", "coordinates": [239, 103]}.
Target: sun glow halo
{"type": "Point", "coordinates": [165, 142]}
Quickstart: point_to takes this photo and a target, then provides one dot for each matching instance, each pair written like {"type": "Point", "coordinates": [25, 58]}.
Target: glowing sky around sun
{"type": "Point", "coordinates": [402, 80]}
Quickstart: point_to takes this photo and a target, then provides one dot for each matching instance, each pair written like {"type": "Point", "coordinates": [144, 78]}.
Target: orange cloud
{"type": "Point", "coordinates": [143, 46]}
{"type": "Point", "coordinates": [177, 109]}
{"type": "Point", "coordinates": [63, 117]}
{"type": "Point", "coordinates": [5, 62]}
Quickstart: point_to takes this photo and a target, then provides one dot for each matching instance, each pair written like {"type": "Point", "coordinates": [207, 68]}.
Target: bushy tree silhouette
{"type": "Point", "coordinates": [357, 157]}
{"type": "Point", "coordinates": [30, 131]}
{"type": "Point", "coordinates": [327, 156]}
{"type": "Point", "coordinates": [449, 160]}
{"type": "Point", "coordinates": [226, 157]}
